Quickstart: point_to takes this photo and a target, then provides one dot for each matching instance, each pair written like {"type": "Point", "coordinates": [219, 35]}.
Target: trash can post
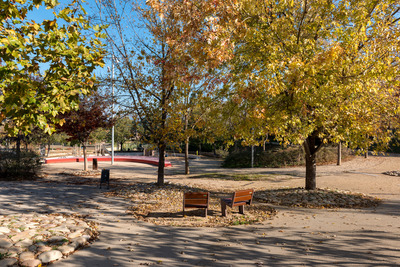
{"type": "Point", "coordinates": [105, 177]}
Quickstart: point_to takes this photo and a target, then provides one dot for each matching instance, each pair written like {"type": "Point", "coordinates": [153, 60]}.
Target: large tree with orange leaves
{"type": "Point", "coordinates": [160, 63]}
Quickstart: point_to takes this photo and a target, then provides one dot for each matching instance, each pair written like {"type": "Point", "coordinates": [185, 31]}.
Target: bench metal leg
{"type": "Point", "coordinates": [241, 209]}
{"type": "Point", "coordinates": [223, 208]}
{"type": "Point", "coordinates": [205, 212]}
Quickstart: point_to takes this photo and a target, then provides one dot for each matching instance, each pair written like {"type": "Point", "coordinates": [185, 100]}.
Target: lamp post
{"type": "Point", "coordinates": [112, 129]}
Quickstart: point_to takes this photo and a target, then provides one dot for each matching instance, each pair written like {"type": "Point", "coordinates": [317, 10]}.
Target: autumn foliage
{"type": "Point", "coordinates": [91, 115]}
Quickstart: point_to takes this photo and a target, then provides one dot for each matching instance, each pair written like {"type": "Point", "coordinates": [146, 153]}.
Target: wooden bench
{"type": "Point", "coordinates": [196, 200]}
{"type": "Point", "coordinates": [238, 199]}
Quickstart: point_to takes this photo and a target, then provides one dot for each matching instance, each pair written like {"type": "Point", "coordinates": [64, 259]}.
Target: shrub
{"type": "Point", "coordinates": [25, 168]}
{"type": "Point", "coordinates": [281, 157]}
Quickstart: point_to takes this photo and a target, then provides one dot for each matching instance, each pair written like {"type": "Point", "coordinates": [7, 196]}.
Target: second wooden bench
{"type": "Point", "coordinates": [238, 199]}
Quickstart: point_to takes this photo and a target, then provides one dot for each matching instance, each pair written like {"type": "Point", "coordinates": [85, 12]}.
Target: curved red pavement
{"type": "Point", "coordinates": [139, 159]}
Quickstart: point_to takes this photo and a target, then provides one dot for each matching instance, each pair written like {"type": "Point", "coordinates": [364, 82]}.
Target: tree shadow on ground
{"type": "Point", "coordinates": [126, 242]}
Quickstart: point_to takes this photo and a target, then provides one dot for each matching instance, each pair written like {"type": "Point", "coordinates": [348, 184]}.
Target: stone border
{"type": "Point", "coordinates": [39, 239]}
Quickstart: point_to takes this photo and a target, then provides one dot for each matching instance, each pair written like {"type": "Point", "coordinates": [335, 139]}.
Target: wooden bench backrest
{"type": "Point", "coordinates": [242, 196]}
{"type": "Point", "coordinates": [196, 198]}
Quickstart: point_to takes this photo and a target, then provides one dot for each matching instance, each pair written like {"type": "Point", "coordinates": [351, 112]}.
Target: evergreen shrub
{"type": "Point", "coordinates": [281, 157]}
{"type": "Point", "coordinates": [24, 168]}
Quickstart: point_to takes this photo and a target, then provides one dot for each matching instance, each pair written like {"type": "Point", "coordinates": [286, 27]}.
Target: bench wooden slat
{"type": "Point", "coordinates": [196, 201]}
{"type": "Point", "coordinates": [243, 198]}
{"type": "Point", "coordinates": [244, 193]}
{"type": "Point", "coordinates": [196, 194]}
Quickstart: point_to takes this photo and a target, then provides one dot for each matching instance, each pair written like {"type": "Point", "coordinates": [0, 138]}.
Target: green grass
{"type": "Point", "coordinates": [4, 255]}
{"type": "Point", "coordinates": [239, 177]}
{"type": "Point", "coordinates": [243, 221]}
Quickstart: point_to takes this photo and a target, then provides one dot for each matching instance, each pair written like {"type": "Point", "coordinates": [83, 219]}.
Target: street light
{"type": "Point", "coordinates": [112, 109]}
{"type": "Point", "coordinates": [112, 129]}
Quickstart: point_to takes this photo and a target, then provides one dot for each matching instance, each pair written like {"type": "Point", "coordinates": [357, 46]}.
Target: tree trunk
{"type": "Point", "coordinates": [252, 156]}
{"type": "Point", "coordinates": [265, 141]}
{"type": "Point", "coordinates": [339, 154]}
{"type": "Point", "coordinates": [48, 148]}
{"type": "Point", "coordinates": [187, 170]}
{"type": "Point", "coordinates": [85, 167]}
{"type": "Point", "coordinates": [161, 164]}
{"type": "Point", "coordinates": [311, 163]}
{"type": "Point", "coordinates": [366, 154]}
{"type": "Point", "coordinates": [311, 172]}
{"type": "Point", "coordinates": [18, 149]}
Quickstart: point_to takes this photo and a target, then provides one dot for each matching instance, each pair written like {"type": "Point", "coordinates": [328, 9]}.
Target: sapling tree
{"type": "Point", "coordinates": [91, 115]}
{"type": "Point", "coordinates": [155, 63]}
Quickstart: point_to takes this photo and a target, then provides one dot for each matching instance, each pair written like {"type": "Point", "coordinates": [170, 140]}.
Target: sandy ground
{"type": "Point", "coordinates": [295, 237]}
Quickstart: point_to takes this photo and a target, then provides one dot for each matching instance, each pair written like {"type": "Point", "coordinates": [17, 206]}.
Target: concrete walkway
{"type": "Point", "coordinates": [295, 237]}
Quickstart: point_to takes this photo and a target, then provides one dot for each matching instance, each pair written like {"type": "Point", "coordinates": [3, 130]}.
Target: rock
{"type": "Point", "coordinates": [4, 230]}
{"type": "Point", "coordinates": [43, 249]}
{"type": "Point", "coordinates": [74, 244]}
{"type": "Point", "coordinates": [32, 248]}
{"type": "Point", "coordinates": [40, 244]}
{"type": "Point", "coordinates": [76, 228]}
{"type": "Point", "coordinates": [24, 256]}
{"type": "Point", "coordinates": [5, 243]}
{"type": "Point", "coordinates": [75, 234]}
{"type": "Point", "coordinates": [50, 256]}
{"type": "Point", "coordinates": [8, 262]}
{"type": "Point", "coordinates": [20, 236]}
{"type": "Point", "coordinates": [82, 240]}
{"type": "Point", "coordinates": [66, 249]}
{"type": "Point", "coordinates": [83, 224]}
{"type": "Point", "coordinates": [58, 238]}
{"type": "Point", "coordinates": [32, 225]}
{"type": "Point", "coordinates": [24, 243]}
{"type": "Point", "coordinates": [61, 229]}
{"type": "Point", "coordinates": [31, 263]}
{"type": "Point", "coordinates": [14, 251]}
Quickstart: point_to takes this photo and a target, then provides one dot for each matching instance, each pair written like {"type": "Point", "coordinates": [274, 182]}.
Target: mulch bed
{"type": "Point", "coordinates": [163, 205]}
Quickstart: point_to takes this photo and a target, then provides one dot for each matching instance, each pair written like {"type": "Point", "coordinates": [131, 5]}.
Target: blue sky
{"type": "Point", "coordinates": [40, 14]}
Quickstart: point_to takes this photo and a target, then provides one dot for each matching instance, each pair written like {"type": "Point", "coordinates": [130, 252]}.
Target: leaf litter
{"type": "Point", "coordinates": [162, 205]}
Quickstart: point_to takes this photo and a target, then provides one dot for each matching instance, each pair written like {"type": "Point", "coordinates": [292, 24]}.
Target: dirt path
{"type": "Point", "coordinates": [295, 237]}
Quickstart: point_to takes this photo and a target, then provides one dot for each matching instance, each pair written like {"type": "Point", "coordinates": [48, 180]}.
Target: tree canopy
{"type": "Point", "coordinates": [308, 72]}
{"type": "Point", "coordinates": [45, 65]}
{"type": "Point", "coordinates": [155, 67]}
{"type": "Point", "coordinates": [313, 72]}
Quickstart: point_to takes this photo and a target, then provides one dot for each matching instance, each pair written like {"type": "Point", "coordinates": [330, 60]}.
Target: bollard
{"type": "Point", "coordinates": [95, 166]}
